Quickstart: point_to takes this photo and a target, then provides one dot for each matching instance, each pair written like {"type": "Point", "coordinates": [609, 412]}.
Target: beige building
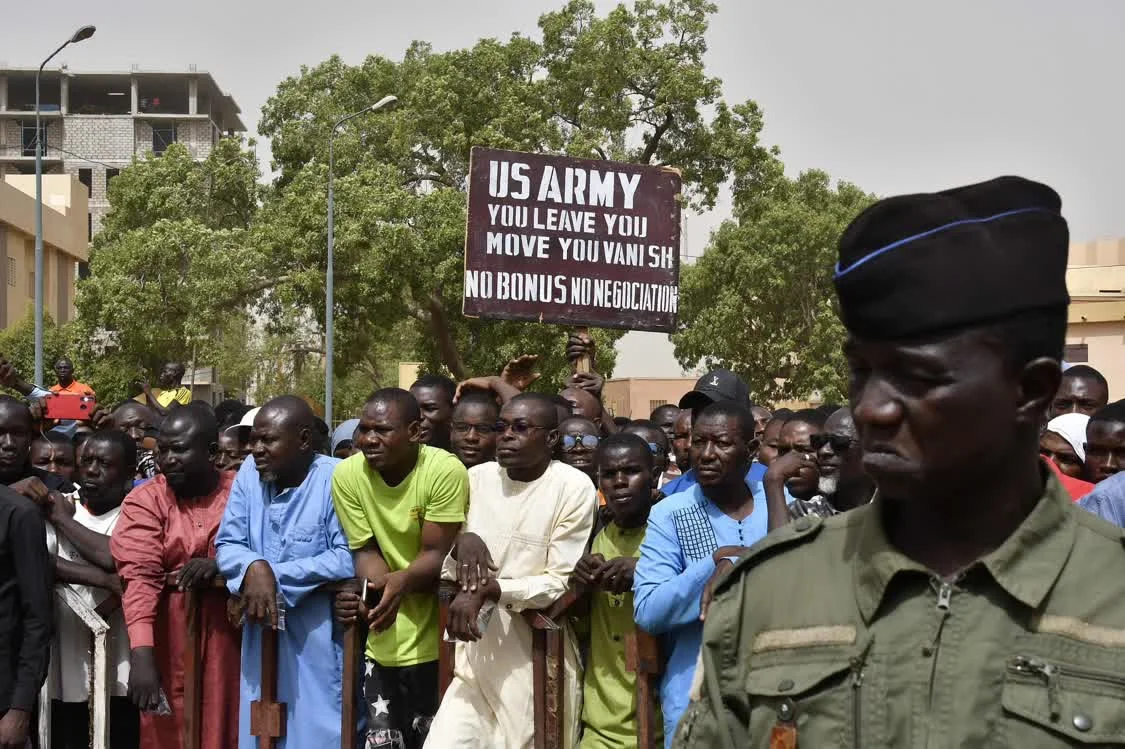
{"type": "Point", "coordinates": [94, 123]}
{"type": "Point", "coordinates": [1095, 334]}
{"type": "Point", "coordinates": [65, 217]}
{"type": "Point", "coordinates": [637, 397]}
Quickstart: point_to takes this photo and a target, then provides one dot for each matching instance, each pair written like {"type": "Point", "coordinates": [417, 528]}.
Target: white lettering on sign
{"type": "Point", "coordinates": [572, 185]}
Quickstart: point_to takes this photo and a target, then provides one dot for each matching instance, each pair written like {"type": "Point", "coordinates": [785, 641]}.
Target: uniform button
{"type": "Point", "coordinates": [785, 685]}
{"type": "Point", "coordinates": [927, 651]}
{"type": "Point", "coordinates": [1082, 722]}
{"type": "Point", "coordinates": [786, 710]}
{"type": "Point", "coordinates": [802, 524]}
{"type": "Point", "coordinates": [617, 638]}
{"type": "Point", "coordinates": [509, 607]}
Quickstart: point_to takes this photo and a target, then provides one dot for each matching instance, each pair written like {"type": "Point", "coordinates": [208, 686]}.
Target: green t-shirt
{"type": "Point", "coordinates": [436, 490]}
{"type": "Point", "coordinates": [609, 713]}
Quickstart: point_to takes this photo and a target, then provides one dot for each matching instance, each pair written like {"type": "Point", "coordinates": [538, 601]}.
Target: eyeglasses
{"type": "Point", "coordinates": [840, 443]}
{"type": "Point", "coordinates": [588, 441]}
{"type": "Point", "coordinates": [518, 427]}
{"type": "Point", "coordinates": [462, 428]}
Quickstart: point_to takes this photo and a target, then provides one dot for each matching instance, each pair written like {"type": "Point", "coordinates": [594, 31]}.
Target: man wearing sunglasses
{"type": "Point", "coordinates": [528, 523]}
{"type": "Point", "coordinates": [841, 485]}
{"type": "Point", "coordinates": [578, 439]}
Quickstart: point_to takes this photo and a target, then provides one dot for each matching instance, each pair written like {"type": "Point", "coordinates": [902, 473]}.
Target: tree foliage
{"type": "Point", "coordinates": [629, 85]}
{"type": "Point", "coordinates": [760, 300]}
{"type": "Point", "coordinates": [171, 268]}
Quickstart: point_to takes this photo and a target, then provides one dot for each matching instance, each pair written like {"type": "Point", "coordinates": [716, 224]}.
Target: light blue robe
{"type": "Point", "coordinates": [297, 532]}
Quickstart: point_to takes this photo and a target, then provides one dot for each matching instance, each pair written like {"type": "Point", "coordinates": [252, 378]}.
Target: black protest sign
{"type": "Point", "coordinates": [572, 241]}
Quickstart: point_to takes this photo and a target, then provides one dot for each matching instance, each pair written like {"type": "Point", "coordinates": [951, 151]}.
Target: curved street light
{"type": "Point", "coordinates": [387, 103]}
{"type": "Point", "coordinates": [82, 34]}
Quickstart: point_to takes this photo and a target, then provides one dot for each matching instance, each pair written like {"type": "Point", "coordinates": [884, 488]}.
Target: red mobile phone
{"type": "Point", "coordinates": [70, 407]}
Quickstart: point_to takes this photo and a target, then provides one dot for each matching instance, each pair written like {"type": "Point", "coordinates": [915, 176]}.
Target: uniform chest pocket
{"type": "Point", "coordinates": [304, 541]}
{"type": "Point", "coordinates": [1046, 697]}
{"type": "Point", "coordinates": [816, 702]}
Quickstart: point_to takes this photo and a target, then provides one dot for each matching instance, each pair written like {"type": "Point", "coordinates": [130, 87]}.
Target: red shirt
{"type": "Point", "coordinates": [1077, 488]}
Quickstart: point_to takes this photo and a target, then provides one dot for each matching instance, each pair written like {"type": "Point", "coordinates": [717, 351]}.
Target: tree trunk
{"type": "Point", "coordinates": [447, 347]}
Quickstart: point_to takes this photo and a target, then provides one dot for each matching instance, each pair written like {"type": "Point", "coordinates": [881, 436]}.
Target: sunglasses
{"type": "Point", "coordinates": [462, 428]}
{"type": "Point", "coordinates": [588, 441]}
{"type": "Point", "coordinates": [518, 427]}
{"type": "Point", "coordinates": [840, 443]}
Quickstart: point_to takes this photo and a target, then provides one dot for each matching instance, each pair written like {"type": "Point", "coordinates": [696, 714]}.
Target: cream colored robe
{"type": "Point", "coordinates": [536, 533]}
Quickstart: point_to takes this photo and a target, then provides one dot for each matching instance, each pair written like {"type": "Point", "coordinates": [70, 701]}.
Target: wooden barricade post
{"type": "Point", "coordinates": [267, 715]}
{"type": "Point", "coordinates": [642, 657]}
{"type": "Point", "coordinates": [355, 643]}
{"type": "Point", "coordinates": [548, 663]}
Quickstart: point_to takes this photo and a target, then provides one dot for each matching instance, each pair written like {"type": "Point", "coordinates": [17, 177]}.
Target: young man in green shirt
{"type": "Point", "coordinates": [627, 478]}
{"type": "Point", "coordinates": [401, 504]}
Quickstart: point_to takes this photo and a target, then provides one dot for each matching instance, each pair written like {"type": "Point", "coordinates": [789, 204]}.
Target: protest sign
{"type": "Point", "coordinates": [572, 241]}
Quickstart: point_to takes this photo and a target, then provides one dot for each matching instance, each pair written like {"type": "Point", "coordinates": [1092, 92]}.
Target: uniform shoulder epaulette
{"type": "Point", "coordinates": [799, 531]}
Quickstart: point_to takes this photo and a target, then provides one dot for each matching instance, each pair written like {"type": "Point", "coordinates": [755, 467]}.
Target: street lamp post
{"type": "Point", "coordinates": [81, 35]}
{"type": "Point", "coordinates": [387, 102]}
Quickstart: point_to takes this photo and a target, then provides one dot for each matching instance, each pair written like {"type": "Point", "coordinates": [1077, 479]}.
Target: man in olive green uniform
{"type": "Point", "coordinates": [970, 604]}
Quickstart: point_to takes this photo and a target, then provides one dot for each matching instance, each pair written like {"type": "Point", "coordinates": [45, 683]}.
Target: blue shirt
{"type": "Point", "coordinates": [1107, 501]}
{"type": "Point", "coordinates": [684, 531]}
{"type": "Point", "coordinates": [296, 531]}
{"type": "Point", "coordinates": [687, 480]}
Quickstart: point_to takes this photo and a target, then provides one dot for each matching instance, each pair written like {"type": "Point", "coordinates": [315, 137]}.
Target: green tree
{"type": "Point", "coordinates": [629, 85]}
{"type": "Point", "coordinates": [760, 300]}
{"type": "Point", "coordinates": [17, 345]}
{"type": "Point", "coordinates": [172, 272]}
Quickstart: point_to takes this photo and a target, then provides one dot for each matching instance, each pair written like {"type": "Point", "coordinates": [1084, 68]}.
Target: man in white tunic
{"type": "Point", "coordinates": [529, 520]}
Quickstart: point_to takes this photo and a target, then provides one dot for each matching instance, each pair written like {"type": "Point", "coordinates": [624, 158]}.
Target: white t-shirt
{"type": "Point", "coordinates": [72, 654]}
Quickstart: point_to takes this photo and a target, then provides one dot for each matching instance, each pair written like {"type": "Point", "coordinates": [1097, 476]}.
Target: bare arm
{"type": "Point", "coordinates": [93, 546]}
{"type": "Point", "coordinates": [424, 572]}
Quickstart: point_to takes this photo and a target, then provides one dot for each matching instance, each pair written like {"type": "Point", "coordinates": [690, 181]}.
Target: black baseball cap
{"type": "Point", "coordinates": [717, 385]}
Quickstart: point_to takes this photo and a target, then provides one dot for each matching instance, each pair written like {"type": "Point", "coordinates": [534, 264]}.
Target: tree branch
{"type": "Point", "coordinates": [654, 139]}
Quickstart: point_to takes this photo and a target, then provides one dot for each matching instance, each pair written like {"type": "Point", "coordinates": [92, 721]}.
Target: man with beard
{"type": "Point", "coordinates": [401, 503]}
{"type": "Point", "coordinates": [106, 466]}
{"type": "Point", "coordinates": [474, 428]}
{"type": "Point", "coordinates": [841, 483]}
{"type": "Point", "coordinates": [434, 394]}
{"type": "Point", "coordinates": [688, 535]}
{"type": "Point", "coordinates": [278, 543]}
{"type": "Point", "coordinates": [528, 525]}
{"type": "Point", "coordinates": [168, 526]}
{"type": "Point", "coordinates": [956, 608]}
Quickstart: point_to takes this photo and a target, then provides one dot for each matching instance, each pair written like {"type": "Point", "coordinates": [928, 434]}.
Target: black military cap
{"type": "Point", "coordinates": [917, 265]}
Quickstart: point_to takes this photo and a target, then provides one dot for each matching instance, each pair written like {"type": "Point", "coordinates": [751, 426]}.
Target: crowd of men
{"type": "Point", "coordinates": [912, 569]}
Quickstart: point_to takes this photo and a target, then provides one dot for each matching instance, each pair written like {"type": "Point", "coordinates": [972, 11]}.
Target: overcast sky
{"type": "Point", "coordinates": [894, 96]}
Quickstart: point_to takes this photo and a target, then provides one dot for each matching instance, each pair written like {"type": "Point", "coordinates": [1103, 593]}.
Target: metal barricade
{"type": "Point", "coordinates": [69, 596]}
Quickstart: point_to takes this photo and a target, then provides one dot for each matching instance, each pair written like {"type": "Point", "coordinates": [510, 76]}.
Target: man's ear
{"type": "Point", "coordinates": [1038, 383]}
{"type": "Point", "coordinates": [553, 439]}
{"type": "Point", "coordinates": [414, 430]}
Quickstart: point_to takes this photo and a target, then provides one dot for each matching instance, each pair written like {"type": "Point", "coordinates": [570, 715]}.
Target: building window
{"type": "Point", "coordinates": [1076, 353]}
{"type": "Point", "coordinates": [11, 271]}
{"type": "Point", "coordinates": [162, 137]}
{"type": "Point", "coordinates": [86, 177]}
{"type": "Point", "coordinates": [27, 137]}
{"type": "Point", "coordinates": [110, 173]}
